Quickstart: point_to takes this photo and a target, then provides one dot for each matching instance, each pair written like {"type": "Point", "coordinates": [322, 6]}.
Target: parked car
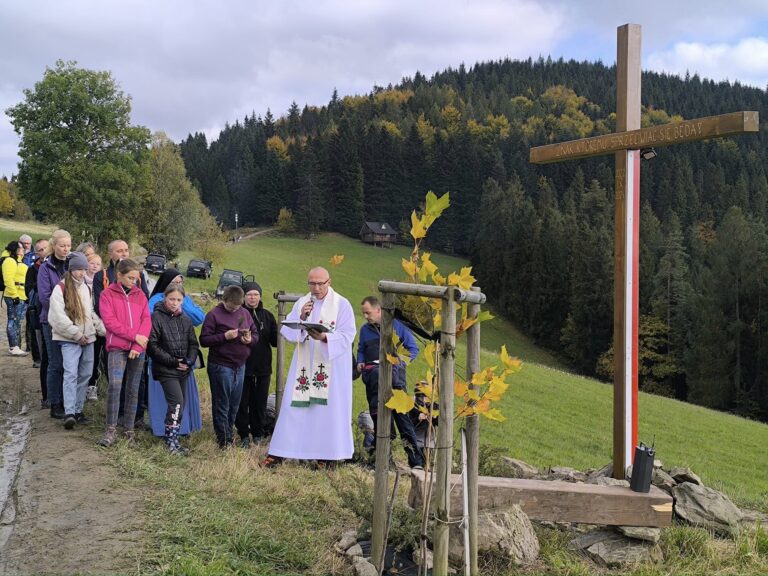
{"type": "Point", "coordinates": [199, 268]}
{"type": "Point", "coordinates": [155, 263]}
{"type": "Point", "coordinates": [230, 278]}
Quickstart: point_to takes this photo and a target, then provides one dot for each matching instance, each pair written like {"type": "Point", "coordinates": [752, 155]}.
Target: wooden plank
{"type": "Point", "coordinates": [655, 136]}
{"type": "Point", "coordinates": [558, 501]}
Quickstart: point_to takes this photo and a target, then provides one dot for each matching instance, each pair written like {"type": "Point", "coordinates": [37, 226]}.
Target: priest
{"type": "Point", "coordinates": [315, 421]}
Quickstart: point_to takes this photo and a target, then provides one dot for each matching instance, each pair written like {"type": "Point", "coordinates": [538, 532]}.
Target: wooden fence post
{"type": "Point", "coordinates": [445, 434]}
{"type": "Point", "coordinates": [383, 424]}
{"type": "Point", "coordinates": [473, 434]}
{"type": "Point", "coordinates": [280, 373]}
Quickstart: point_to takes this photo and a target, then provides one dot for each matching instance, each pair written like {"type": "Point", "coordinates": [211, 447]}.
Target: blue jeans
{"type": "Point", "coordinates": [55, 367]}
{"type": "Point", "coordinates": [226, 390]}
{"type": "Point", "coordinates": [15, 316]}
{"type": "Point", "coordinates": [78, 367]}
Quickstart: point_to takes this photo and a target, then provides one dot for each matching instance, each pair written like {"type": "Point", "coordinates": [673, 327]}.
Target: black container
{"type": "Point", "coordinates": [642, 469]}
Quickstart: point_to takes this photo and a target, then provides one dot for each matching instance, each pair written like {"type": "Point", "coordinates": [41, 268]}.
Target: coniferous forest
{"type": "Point", "coordinates": [540, 238]}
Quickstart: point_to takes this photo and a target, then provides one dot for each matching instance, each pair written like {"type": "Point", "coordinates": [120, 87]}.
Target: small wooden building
{"type": "Point", "coordinates": [378, 234]}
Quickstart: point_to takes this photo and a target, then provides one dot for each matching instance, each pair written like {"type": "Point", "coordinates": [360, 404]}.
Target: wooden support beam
{"type": "Point", "coordinates": [459, 294]}
{"type": "Point", "coordinates": [651, 137]}
{"type": "Point", "coordinates": [558, 501]}
{"type": "Point", "coordinates": [472, 425]}
{"type": "Point", "coordinates": [283, 299]}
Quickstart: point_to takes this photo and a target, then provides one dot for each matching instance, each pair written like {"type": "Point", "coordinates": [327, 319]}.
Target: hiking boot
{"type": "Point", "coordinates": [271, 462]}
{"type": "Point", "coordinates": [57, 411]}
{"type": "Point", "coordinates": [44, 405]}
{"type": "Point", "coordinates": [92, 394]}
{"type": "Point", "coordinates": [69, 421]}
{"type": "Point", "coordinates": [16, 351]}
{"type": "Point", "coordinates": [245, 443]}
{"type": "Point", "coordinates": [130, 438]}
{"type": "Point", "coordinates": [36, 364]}
{"type": "Point", "coordinates": [82, 418]}
{"type": "Point", "coordinates": [109, 437]}
{"type": "Point", "coordinates": [139, 424]}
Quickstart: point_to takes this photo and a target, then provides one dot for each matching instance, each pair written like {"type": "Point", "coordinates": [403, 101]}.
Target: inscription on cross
{"type": "Point", "coordinates": [626, 143]}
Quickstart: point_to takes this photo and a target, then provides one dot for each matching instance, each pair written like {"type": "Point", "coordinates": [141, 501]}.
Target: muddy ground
{"type": "Point", "coordinates": [69, 512]}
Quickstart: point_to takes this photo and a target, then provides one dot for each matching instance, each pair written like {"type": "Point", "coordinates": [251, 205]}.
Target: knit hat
{"type": "Point", "coordinates": [248, 286]}
{"type": "Point", "coordinates": [77, 261]}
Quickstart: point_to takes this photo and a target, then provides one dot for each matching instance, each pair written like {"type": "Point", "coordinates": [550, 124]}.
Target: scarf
{"type": "Point", "coordinates": [314, 377]}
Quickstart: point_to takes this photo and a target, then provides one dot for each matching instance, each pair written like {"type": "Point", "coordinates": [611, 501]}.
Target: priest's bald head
{"type": "Point", "coordinates": [319, 281]}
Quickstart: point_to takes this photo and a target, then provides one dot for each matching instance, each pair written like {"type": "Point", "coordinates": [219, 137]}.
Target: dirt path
{"type": "Point", "coordinates": [69, 512]}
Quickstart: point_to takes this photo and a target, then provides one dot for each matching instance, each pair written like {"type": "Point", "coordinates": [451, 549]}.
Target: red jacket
{"type": "Point", "coordinates": [124, 316]}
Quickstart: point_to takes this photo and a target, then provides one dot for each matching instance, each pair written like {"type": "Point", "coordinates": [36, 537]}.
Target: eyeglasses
{"type": "Point", "coordinates": [317, 284]}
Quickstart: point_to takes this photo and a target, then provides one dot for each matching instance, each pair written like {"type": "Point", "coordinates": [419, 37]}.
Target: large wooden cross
{"type": "Point", "coordinates": [627, 143]}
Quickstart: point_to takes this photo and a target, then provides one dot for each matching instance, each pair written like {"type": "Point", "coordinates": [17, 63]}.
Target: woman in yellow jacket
{"type": "Point", "coordinates": [14, 272]}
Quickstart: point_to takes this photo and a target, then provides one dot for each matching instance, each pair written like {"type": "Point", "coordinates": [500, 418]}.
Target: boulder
{"type": "Point", "coordinates": [663, 480]}
{"type": "Point", "coordinates": [681, 475]}
{"type": "Point", "coordinates": [641, 533]}
{"type": "Point", "coordinates": [606, 481]}
{"type": "Point", "coordinates": [355, 550]}
{"type": "Point", "coordinates": [566, 474]}
{"type": "Point", "coordinates": [518, 468]}
{"type": "Point", "coordinates": [702, 506]}
{"type": "Point", "coordinates": [348, 538]}
{"type": "Point", "coordinates": [364, 568]}
{"type": "Point", "coordinates": [417, 557]}
{"type": "Point", "coordinates": [658, 463]}
{"type": "Point", "coordinates": [608, 548]}
{"type": "Point", "coordinates": [508, 532]}
{"type": "Point", "coordinates": [750, 518]}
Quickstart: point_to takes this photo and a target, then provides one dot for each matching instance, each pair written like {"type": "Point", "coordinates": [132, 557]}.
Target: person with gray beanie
{"type": "Point", "coordinates": [252, 413]}
{"type": "Point", "coordinates": [74, 325]}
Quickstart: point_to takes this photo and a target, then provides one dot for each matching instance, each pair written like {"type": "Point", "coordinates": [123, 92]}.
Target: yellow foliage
{"type": "Point", "coordinates": [438, 279]}
{"type": "Point", "coordinates": [426, 130]}
{"type": "Point", "coordinates": [401, 402]}
{"type": "Point", "coordinates": [451, 118]}
{"type": "Point", "coordinates": [396, 97]}
{"type": "Point", "coordinates": [394, 360]}
{"type": "Point", "coordinates": [463, 280]}
{"type": "Point", "coordinates": [435, 206]}
{"type": "Point", "coordinates": [460, 388]}
{"type": "Point", "coordinates": [418, 228]}
{"type": "Point", "coordinates": [390, 127]}
{"type": "Point", "coordinates": [279, 147]}
{"type": "Point", "coordinates": [427, 264]}
{"type": "Point", "coordinates": [410, 267]}
{"type": "Point", "coordinates": [336, 259]}
{"type": "Point", "coordinates": [429, 354]}
{"type": "Point", "coordinates": [494, 414]}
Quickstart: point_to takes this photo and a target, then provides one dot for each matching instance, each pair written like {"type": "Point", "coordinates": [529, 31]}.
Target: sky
{"type": "Point", "coordinates": [194, 65]}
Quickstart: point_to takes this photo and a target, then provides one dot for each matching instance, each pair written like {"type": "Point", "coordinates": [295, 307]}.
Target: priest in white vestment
{"type": "Point", "coordinates": [315, 421]}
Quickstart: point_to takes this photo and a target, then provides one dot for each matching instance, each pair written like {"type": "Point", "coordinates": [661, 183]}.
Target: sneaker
{"type": "Point", "coordinates": [140, 425]}
{"type": "Point", "coordinates": [178, 450]}
{"type": "Point", "coordinates": [44, 405]}
{"type": "Point", "coordinates": [109, 437]}
{"type": "Point", "coordinates": [69, 421]}
{"type": "Point", "coordinates": [420, 468]}
{"type": "Point", "coordinates": [57, 411]}
{"type": "Point", "coordinates": [130, 438]}
{"type": "Point", "coordinates": [81, 418]}
{"type": "Point", "coordinates": [245, 443]}
{"type": "Point", "coordinates": [93, 394]}
{"type": "Point", "coordinates": [16, 351]}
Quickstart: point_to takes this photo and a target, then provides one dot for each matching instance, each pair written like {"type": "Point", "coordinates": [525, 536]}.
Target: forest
{"type": "Point", "coordinates": [540, 238]}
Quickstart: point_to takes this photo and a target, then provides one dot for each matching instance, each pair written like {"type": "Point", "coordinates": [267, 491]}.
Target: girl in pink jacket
{"type": "Point", "coordinates": [125, 313]}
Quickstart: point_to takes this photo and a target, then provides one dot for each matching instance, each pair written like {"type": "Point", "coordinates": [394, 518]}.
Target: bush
{"type": "Point", "coordinates": [286, 223]}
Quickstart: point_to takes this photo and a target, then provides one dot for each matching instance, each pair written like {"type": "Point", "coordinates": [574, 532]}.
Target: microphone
{"type": "Point", "coordinates": [312, 299]}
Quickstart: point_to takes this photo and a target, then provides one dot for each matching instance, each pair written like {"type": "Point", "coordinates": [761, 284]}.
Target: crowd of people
{"type": "Point", "coordinates": [84, 320]}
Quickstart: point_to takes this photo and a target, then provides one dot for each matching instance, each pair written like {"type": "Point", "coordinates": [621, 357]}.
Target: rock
{"type": "Point", "coordinates": [417, 557]}
{"type": "Point", "coordinates": [355, 550]}
{"type": "Point", "coordinates": [619, 551]}
{"type": "Point", "coordinates": [590, 538]}
{"type": "Point", "coordinates": [681, 475]}
{"type": "Point", "coordinates": [605, 481]}
{"type": "Point", "coordinates": [702, 506]}
{"type": "Point", "coordinates": [658, 463]}
{"type": "Point", "coordinates": [364, 568]}
{"type": "Point", "coordinates": [566, 474]}
{"type": "Point", "coordinates": [753, 518]}
{"type": "Point", "coordinates": [604, 472]}
{"type": "Point", "coordinates": [348, 538]}
{"type": "Point", "coordinates": [508, 532]}
{"type": "Point", "coordinates": [641, 533]}
{"type": "Point", "coordinates": [662, 480]}
{"type": "Point", "coordinates": [518, 468]}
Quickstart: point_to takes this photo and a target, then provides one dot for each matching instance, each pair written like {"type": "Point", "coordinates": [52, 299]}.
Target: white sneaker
{"type": "Point", "coordinates": [93, 393]}
{"type": "Point", "coordinates": [16, 351]}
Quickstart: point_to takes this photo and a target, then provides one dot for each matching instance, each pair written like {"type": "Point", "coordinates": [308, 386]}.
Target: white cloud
{"type": "Point", "coordinates": [745, 61]}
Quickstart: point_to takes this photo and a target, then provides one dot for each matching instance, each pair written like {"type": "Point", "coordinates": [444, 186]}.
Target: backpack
{"type": "Point", "coordinates": [2, 280]}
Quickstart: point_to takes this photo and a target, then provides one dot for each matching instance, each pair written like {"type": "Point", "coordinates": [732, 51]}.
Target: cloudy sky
{"type": "Point", "coordinates": [192, 65]}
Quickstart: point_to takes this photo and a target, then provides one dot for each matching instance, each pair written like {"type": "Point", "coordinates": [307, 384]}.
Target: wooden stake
{"type": "Point", "coordinates": [444, 435]}
{"type": "Point", "coordinates": [473, 434]}
{"type": "Point", "coordinates": [280, 375]}
{"type": "Point", "coordinates": [383, 424]}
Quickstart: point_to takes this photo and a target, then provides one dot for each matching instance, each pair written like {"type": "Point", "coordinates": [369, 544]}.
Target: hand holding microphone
{"type": "Point", "coordinates": [306, 310]}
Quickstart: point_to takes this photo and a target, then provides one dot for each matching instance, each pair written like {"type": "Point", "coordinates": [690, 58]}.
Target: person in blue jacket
{"type": "Point", "coordinates": [368, 365]}
{"type": "Point", "coordinates": [192, 419]}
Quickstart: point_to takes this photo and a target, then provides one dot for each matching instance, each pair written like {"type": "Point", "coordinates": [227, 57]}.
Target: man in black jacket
{"type": "Point", "coordinates": [252, 414]}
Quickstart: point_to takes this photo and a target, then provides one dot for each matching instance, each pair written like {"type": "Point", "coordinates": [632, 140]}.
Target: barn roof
{"type": "Point", "coordinates": [380, 228]}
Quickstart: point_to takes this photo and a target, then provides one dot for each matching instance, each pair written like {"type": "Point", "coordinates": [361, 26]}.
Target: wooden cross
{"type": "Point", "coordinates": [627, 143]}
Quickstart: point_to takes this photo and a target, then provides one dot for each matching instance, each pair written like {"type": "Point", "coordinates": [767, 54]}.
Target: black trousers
{"type": "Point", "coordinates": [29, 335]}
{"type": "Point", "coordinates": [99, 360]}
{"type": "Point", "coordinates": [401, 421]}
{"type": "Point", "coordinates": [252, 413]}
{"type": "Point", "coordinates": [43, 363]}
{"type": "Point", "coordinates": [174, 389]}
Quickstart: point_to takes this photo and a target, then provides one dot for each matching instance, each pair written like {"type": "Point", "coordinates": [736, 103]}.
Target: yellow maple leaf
{"type": "Point", "coordinates": [512, 364]}
{"type": "Point", "coordinates": [418, 229]}
{"type": "Point", "coordinates": [494, 414]}
{"type": "Point", "coordinates": [410, 267]}
{"type": "Point", "coordinates": [496, 389]}
{"type": "Point", "coordinates": [394, 360]}
{"type": "Point", "coordinates": [460, 388]}
{"type": "Point", "coordinates": [465, 410]}
{"type": "Point", "coordinates": [482, 405]}
{"type": "Point", "coordinates": [438, 279]}
{"type": "Point", "coordinates": [463, 280]}
{"type": "Point", "coordinates": [425, 410]}
{"type": "Point", "coordinates": [429, 354]}
{"type": "Point", "coordinates": [427, 264]}
{"type": "Point", "coordinates": [435, 205]}
{"type": "Point", "coordinates": [484, 376]}
{"type": "Point", "coordinates": [336, 259]}
{"type": "Point", "coordinates": [401, 402]}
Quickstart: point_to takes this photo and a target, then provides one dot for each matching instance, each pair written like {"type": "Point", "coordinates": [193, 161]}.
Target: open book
{"type": "Point", "coordinates": [301, 325]}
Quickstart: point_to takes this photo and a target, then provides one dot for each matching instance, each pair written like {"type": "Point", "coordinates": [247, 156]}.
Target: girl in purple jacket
{"type": "Point", "coordinates": [125, 313]}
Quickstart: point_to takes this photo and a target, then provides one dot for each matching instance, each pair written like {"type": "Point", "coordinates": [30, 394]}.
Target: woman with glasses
{"type": "Point", "coordinates": [191, 420]}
